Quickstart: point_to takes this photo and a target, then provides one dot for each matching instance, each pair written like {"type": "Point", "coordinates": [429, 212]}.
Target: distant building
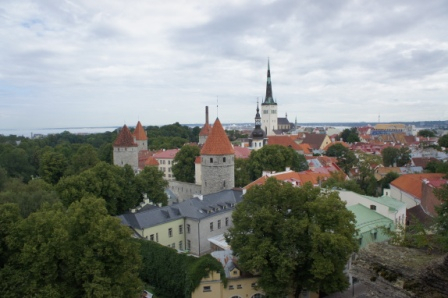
{"type": "Point", "coordinates": [165, 159]}
{"type": "Point", "coordinates": [257, 138]}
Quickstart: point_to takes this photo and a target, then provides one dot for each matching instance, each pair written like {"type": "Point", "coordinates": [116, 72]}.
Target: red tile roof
{"type": "Point", "coordinates": [412, 183]}
{"type": "Point", "coordinates": [206, 129]}
{"type": "Point", "coordinates": [217, 142]}
{"type": "Point", "coordinates": [285, 141]}
{"type": "Point", "coordinates": [125, 138]}
{"type": "Point", "coordinates": [241, 152]}
{"type": "Point", "coordinates": [166, 154]}
{"type": "Point", "coordinates": [297, 179]}
{"type": "Point", "coordinates": [139, 132]}
{"type": "Point", "coordinates": [151, 161]}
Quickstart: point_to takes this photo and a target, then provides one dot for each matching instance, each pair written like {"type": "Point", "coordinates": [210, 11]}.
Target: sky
{"type": "Point", "coordinates": [108, 63]}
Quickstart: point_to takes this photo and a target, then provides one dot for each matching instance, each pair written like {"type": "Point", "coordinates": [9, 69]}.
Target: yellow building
{"type": "Point", "coordinates": [239, 285]}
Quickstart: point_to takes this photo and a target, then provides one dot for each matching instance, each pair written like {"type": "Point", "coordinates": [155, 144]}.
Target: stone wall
{"type": "Point", "coordinates": [184, 190]}
{"type": "Point", "coordinates": [394, 271]}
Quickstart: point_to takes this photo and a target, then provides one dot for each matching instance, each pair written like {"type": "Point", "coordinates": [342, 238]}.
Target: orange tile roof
{"type": "Point", "coordinates": [151, 161]}
{"type": "Point", "coordinates": [285, 141]}
{"type": "Point", "coordinates": [206, 129]}
{"type": "Point", "coordinates": [139, 132]}
{"type": "Point", "coordinates": [125, 138]}
{"type": "Point", "coordinates": [412, 183]}
{"type": "Point", "coordinates": [296, 178]}
{"type": "Point", "coordinates": [198, 159]}
{"type": "Point", "coordinates": [217, 142]}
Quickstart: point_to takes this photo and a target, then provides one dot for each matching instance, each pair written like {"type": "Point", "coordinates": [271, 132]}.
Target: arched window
{"type": "Point", "coordinates": [258, 295]}
{"type": "Point", "coordinates": [235, 297]}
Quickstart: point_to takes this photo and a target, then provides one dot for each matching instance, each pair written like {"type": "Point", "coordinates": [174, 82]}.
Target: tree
{"type": "Point", "coordinates": [388, 178]}
{"type": "Point", "coordinates": [242, 177]}
{"type": "Point", "coordinates": [52, 166]}
{"type": "Point", "coordinates": [426, 133]}
{"type": "Point", "coordinates": [347, 160]}
{"type": "Point", "coordinates": [442, 215]}
{"type": "Point", "coordinates": [297, 238]}
{"type": "Point", "coordinates": [76, 252]}
{"type": "Point", "coordinates": [350, 135]}
{"type": "Point", "coordinates": [443, 141]}
{"type": "Point", "coordinates": [183, 163]}
{"type": "Point", "coordinates": [338, 180]}
{"type": "Point", "coordinates": [391, 156]}
{"type": "Point", "coordinates": [337, 150]}
{"type": "Point", "coordinates": [15, 161]}
{"type": "Point", "coordinates": [85, 158]}
{"type": "Point", "coordinates": [275, 158]}
{"type": "Point", "coordinates": [150, 181]}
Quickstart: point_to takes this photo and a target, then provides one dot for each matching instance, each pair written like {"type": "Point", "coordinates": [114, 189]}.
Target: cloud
{"type": "Point", "coordinates": [75, 63]}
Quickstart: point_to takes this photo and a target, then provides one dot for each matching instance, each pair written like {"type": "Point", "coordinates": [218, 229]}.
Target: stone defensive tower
{"type": "Point", "coordinates": [140, 137]}
{"type": "Point", "coordinates": [126, 149]}
{"type": "Point", "coordinates": [217, 161]}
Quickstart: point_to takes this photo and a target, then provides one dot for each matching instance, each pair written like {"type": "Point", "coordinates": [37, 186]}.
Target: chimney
{"type": "Point", "coordinates": [206, 114]}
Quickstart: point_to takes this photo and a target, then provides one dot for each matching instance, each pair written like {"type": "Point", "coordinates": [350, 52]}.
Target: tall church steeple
{"type": "Point", "coordinates": [269, 119]}
{"type": "Point", "coordinates": [269, 99]}
{"type": "Point", "coordinates": [257, 138]}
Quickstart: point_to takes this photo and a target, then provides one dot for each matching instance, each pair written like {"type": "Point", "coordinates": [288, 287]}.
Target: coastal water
{"type": "Point", "coordinates": [30, 132]}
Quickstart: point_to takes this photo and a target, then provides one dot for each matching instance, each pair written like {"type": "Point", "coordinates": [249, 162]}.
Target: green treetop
{"type": "Point", "coordinates": [297, 238]}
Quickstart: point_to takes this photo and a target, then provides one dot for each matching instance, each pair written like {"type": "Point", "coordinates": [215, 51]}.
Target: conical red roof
{"type": "Point", "coordinates": [217, 142]}
{"type": "Point", "coordinates": [205, 131]}
{"type": "Point", "coordinates": [125, 138]}
{"type": "Point", "coordinates": [139, 132]}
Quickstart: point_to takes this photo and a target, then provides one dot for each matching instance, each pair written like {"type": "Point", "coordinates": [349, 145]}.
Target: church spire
{"type": "Point", "coordinates": [269, 99]}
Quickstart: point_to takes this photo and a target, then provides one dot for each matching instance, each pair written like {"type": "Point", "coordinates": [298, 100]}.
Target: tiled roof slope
{"type": "Point", "coordinates": [125, 138]}
{"type": "Point", "coordinates": [314, 140]}
{"type": "Point", "coordinates": [412, 183]}
{"type": "Point", "coordinates": [295, 178]}
{"type": "Point", "coordinates": [217, 142]}
{"type": "Point", "coordinates": [285, 141]}
{"type": "Point", "coordinates": [139, 132]}
{"type": "Point", "coordinates": [151, 161]}
{"type": "Point", "coordinates": [206, 129]}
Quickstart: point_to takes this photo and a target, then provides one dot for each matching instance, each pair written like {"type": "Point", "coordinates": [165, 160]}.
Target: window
{"type": "Point", "coordinates": [211, 159]}
{"type": "Point", "coordinates": [231, 288]}
{"type": "Point", "coordinates": [227, 221]}
{"type": "Point", "coordinates": [375, 235]}
{"type": "Point", "coordinates": [181, 229]}
{"type": "Point", "coordinates": [254, 285]}
{"type": "Point", "coordinates": [239, 286]}
{"type": "Point", "coordinates": [219, 224]}
{"type": "Point", "coordinates": [223, 159]}
{"type": "Point", "coordinates": [265, 112]}
{"type": "Point", "coordinates": [188, 228]}
{"type": "Point", "coordinates": [173, 245]}
{"type": "Point", "coordinates": [207, 289]}
{"type": "Point", "coordinates": [151, 237]}
{"type": "Point", "coordinates": [273, 111]}
{"type": "Point", "coordinates": [181, 246]}
{"type": "Point", "coordinates": [170, 232]}
{"type": "Point", "coordinates": [372, 207]}
{"type": "Point", "coordinates": [188, 244]}
{"type": "Point", "coordinates": [211, 227]}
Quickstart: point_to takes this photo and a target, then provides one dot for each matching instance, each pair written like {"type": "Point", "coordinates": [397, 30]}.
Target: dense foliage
{"type": "Point", "coordinates": [442, 215]}
{"type": "Point", "coordinates": [426, 133]}
{"type": "Point", "coordinates": [275, 158]}
{"type": "Point", "coordinates": [346, 158]}
{"type": "Point", "coordinates": [76, 252]}
{"type": "Point", "coordinates": [171, 136]}
{"type": "Point", "coordinates": [396, 157]}
{"type": "Point", "coordinates": [297, 238]}
{"type": "Point", "coordinates": [172, 274]}
{"type": "Point", "coordinates": [350, 135]}
{"type": "Point", "coordinates": [443, 141]}
{"type": "Point", "coordinates": [183, 164]}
